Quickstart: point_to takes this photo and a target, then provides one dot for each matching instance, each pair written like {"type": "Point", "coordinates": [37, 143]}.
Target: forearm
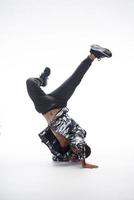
{"type": "Point", "coordinates": [83, 163]}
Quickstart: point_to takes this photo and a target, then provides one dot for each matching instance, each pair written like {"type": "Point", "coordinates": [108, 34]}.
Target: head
{"type": "Point", "coordinates": [87, 150]}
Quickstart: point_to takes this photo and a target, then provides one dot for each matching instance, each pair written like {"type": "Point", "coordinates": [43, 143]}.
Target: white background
{"type": "Point", "coordinates": [58, 34]}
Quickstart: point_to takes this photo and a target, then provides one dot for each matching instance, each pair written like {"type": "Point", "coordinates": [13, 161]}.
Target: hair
{"type": "Point", "coordinates": [87, 150]}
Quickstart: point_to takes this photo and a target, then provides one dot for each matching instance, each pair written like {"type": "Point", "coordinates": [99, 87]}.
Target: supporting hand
{"type": "Point", "coordinates": [86, 165]}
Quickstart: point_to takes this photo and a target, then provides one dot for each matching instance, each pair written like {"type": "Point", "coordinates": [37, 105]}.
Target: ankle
{"type": "Point", "coordinates": [92, 57]}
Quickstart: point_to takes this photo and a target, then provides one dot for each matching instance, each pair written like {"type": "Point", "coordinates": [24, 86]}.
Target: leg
{"type": "Point", "coordinates": [66, 90]}
{"type": "Point", "coordinates": [33, 88]}
{"type": "Point", "coordinates": [58, 98]}
{"type": "Point", "coordinates": [41, 100]}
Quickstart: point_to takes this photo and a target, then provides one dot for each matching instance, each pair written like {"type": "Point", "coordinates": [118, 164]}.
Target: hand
{"type": "Point", "coordinates": [90, 166]}
{"type": "Point", "coordinates": [86, 165]}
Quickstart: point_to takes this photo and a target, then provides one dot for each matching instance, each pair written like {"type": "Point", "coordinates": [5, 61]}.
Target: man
{"type": "Point", "coordinates": [63, 136]}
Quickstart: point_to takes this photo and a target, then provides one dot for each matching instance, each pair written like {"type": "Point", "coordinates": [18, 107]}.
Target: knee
{"type": "Point", "coordinates": [29, 85]}
{"type": "Point", "coordinates": [29, 81]}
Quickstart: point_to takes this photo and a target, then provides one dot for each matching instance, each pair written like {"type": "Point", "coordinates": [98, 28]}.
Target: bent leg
{"type": "Point", "coordinates": [40, 99]}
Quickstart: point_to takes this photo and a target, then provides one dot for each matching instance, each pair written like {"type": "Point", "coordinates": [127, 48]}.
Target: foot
{"type": "Point", "coordinates": [44, 76]}
{"type": "Point", "coordinates": [100, 52]}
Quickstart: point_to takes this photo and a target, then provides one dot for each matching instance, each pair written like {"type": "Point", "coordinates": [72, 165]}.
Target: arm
{"type": "Point", "coordinates": [86, 165]}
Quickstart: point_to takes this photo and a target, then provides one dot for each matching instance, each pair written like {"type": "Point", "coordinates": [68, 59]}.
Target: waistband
{"type": "Point", "coordinates": [59, 114]}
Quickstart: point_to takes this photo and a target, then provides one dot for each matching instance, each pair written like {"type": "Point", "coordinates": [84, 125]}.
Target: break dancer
{"type": "Point", "coordinates": [63, 136]}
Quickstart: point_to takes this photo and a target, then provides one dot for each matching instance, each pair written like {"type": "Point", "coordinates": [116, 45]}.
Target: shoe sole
{"type": "Point", "coordinates": [104, 51]}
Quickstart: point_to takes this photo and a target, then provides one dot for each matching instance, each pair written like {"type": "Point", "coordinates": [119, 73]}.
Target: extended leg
{"type": "Point", "coordinates": [66, 90]}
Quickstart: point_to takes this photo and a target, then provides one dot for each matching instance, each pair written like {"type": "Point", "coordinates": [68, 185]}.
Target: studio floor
{"type": "Point", "coordinates": [33, 175]}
